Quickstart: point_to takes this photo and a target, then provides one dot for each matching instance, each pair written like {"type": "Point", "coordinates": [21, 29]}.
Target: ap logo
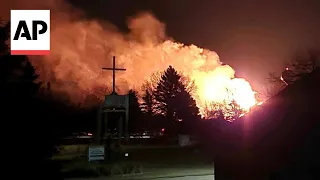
{"type": "Point", "coordinates": [30, 32]}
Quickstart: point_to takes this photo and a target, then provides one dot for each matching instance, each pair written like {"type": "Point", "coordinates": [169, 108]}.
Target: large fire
{"type": "Point", "coordinates": [219, 85]}
{"type": "Point", "coordinates": [81, 47]}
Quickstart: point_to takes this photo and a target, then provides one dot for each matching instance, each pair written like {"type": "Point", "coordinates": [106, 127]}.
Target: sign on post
{"type": "Point", "coordinates": [117, 100]}
{"type": "Point", "coordinates": [96, 153]}
{"type": "Point", "coordinates": [30, 32]}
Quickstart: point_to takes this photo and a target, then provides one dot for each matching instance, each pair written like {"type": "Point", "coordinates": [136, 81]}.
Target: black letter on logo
{"type": "Point", "coordinates": [26, 34]}
{"type": "Point", "coordinates": [35, 28]}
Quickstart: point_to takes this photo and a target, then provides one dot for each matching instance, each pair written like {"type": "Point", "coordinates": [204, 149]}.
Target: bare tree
{"type": "Point", "coordinates": [213, 110]}
{"type": "Point", "coordinates": [274, 78]}
{"type": "Point", "coordinates": [154, 80]}
{"type": "Point", "coordinates": [189, 84]}
{"type": "Point", "coordinates": [302, 64]}
{"type": "Point", "coordinates": [228, 110]}
{"type": "Point", "coordinates": [271, 90]}
{"type": "Point", "coordinates": [147, 100]}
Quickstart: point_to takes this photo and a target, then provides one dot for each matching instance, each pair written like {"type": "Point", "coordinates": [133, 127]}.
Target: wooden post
{"type": "Point", "coordinates": [105, 124]}
{"type": "Point", "coordinates": [127, 118]}
{"type": "Point", "coordinates": [120, 130]}
{"type": "Point", "coordinates": [99, 122]}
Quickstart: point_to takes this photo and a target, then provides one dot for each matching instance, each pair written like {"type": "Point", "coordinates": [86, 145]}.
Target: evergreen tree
{"type": "Point", "coordinates": [17, 75]}
{"type": "Point", "coordinates": [187, 111]}
{"type": "Point", "coordinates": [174, 101]}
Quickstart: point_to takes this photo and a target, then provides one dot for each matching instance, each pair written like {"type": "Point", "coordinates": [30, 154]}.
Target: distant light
{"type": "Point", "coordinates": [162, 130]}
{"type": "Point", "coordinates": [126, 154]}
{"type": "Point", "coordinates": [287, 69]}
{"type": "Point", "coordinates": [89, 134]}
{"type": "Point", "coordinates": [180, 120]}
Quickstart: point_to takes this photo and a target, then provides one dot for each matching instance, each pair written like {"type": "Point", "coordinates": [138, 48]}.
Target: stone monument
{"type": "Point", "coordinates": [113, 103]}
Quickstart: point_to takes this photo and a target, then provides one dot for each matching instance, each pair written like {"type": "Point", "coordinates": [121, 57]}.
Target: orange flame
{"type": "Point", "coordinates": [219, 85]}
{"type": "Point", "coordinates": [81, 47]}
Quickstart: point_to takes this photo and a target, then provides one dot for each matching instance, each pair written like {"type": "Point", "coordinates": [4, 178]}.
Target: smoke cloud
{"type": "Point", "coordinates": [81, 47]}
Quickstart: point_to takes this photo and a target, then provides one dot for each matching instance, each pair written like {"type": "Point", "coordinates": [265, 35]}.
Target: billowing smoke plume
{"type": "Point", "coordinates": [80, 48]}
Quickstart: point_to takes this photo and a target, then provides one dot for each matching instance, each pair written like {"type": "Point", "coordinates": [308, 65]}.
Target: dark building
{"type": "Point", "coordinates": [278, 140]}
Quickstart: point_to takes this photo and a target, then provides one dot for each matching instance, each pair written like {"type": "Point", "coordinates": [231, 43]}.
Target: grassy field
{"type": "Point", "coordinates": [144, 158]}
{"type": "Point", "coordinates": [157, 156]}
{"type": "Point", "coordinates": [142, 154]}
{"type": "Point", "coordinates": [68, 152]}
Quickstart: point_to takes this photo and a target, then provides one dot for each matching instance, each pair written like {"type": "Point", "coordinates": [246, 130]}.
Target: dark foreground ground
{"type": "Point", "coordinates": [164, 162]}
{"type": "Point", "coordinates": [184, 177]}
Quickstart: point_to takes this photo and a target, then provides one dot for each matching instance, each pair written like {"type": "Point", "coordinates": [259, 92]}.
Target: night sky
{"type": "Point", "coordinates": [253, 36]}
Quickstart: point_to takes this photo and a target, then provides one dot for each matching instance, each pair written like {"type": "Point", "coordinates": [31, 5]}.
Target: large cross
{"type": "Point", "coordinates": [114, 69]}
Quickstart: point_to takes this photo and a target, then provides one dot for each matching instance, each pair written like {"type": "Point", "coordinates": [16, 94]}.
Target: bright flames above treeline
{"type": "Point", "coordinates": [217, 87]}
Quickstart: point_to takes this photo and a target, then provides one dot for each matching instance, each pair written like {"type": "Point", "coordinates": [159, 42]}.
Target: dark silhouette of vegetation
{"type": "Point", "coordinates": [301, 65]}
{"type": "Point", "coordinates": [148, 101]}
{"type": "Point", "coordinates": [4, 36]}
{"type": "Point", "coordinates": [147, 106]}
{"type": "Point", "coordinates": [229, 111]}
{"type": "Point", "coordinates": [173, 100]}
{"type": "Point", "coordinates": [25, 116]}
